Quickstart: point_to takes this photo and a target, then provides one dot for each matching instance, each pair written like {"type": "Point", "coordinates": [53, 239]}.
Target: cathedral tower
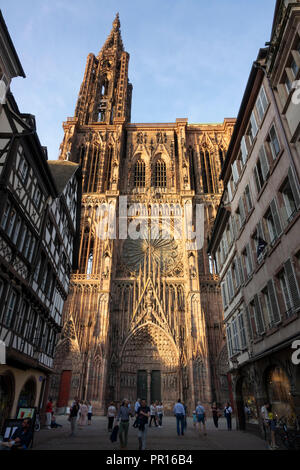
{"type": "Point", "coordinates": [144, 315]}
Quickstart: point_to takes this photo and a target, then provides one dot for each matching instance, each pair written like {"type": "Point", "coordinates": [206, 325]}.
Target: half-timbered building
{"type": "Point", "coordinates": [39, 220]}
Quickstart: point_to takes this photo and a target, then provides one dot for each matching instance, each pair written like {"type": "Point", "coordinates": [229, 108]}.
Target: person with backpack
{"type": "Point", "coordinates": [200, 413]}
{"type": "Point", "coordinates": [228, 415]}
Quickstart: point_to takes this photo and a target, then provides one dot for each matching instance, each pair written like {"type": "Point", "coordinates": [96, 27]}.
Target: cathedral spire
{"type": "Point", "coordinates": [114, 41]}
{"type": "Point", "coordinates": [105, 93]}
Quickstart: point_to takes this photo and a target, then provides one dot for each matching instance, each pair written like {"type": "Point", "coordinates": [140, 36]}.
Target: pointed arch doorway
{"type": "Point", "coordinates": [149, 366]}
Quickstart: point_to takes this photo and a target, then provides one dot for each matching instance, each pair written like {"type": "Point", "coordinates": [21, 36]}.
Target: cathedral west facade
{"type": "Point", "coordinates": [144, 315]}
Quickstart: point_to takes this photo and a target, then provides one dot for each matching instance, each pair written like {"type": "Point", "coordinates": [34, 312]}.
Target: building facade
{"type": "Point", "coordinates": [255, 241]}
{"type": "Point", "coordinates": [39, 220]}
{"type": "Point", "coordinates": [144, 315]}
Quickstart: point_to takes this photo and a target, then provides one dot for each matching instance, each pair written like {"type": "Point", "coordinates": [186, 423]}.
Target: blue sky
{"type": "Point", "coordinates": [188, 58]}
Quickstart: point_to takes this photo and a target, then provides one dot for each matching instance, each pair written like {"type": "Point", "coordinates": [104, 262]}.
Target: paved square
{"type": "Point", "coordinates": [96, 437]}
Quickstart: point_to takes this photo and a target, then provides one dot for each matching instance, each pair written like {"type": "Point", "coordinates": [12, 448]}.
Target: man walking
{"type": "Point", "coordinates": [143, 415]}
{"type": "Point", "coordinates": [228, 415]}
{"type": "Point", "coordinates": [123, 416]}
{"type": "Point", "coordinates": [73, 415]}
{"type": "Point", "coordinates": [179, 412]}
{"type": "Point", "coordinates": [200, 413]}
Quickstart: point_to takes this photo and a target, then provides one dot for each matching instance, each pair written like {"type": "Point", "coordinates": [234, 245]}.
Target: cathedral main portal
{"type": "Point", "coordinates": [150, 366]}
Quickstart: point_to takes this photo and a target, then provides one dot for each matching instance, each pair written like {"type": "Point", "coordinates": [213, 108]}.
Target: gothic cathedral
{"type": "Point", "coordinates": [144, 314]}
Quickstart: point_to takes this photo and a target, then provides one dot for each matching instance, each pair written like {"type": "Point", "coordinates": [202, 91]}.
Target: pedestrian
{"type": "Point", "coordinates": [200, 412]}
{"type": "Point", "coordinates": [111, 415]}
{"type": "Point", "coordinates": [153, 414]}
{"type": "Point", "coordinates": [143, 415]}
{"type": "Point", "coordinates": [74, 410]}
{"type": "Point", "coordinates": [265, 418]}
{"type": "Point", "coordinates": [90, 413]}
{"type": "Point", "coordinates": [49, 410]}
{"type": "Point", "coordinates": [228, 415]}
{"type": "Point", "coordinates": [137, 405]}
{"type": "Point", "coordinates": [272, 427]}
{"type": "Point", "coordinates": [215, 414]}
{"type": "Point", "coordinates": [124, 416]}
{"type": "Point", "coordinates": [160, 413]}
{"type": "Point", "coordinates": [179, 412]}
{"type": "Point", "coordinates": [83, 414]}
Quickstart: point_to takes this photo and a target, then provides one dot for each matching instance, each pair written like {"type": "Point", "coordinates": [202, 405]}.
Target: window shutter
{"type": "Point", "coordinates": [224, 297]}
{"type": "Point", "coordinates": [258, 316]}
{"type": "Point", "coordinates": [237, 273]}
{"type": "Point", "coordinates": [235, 173]}
{"type": "Point", "coordinates": [273, 301]}
{"type": "Point", "coordinates": [229, 191]}
{"type": "Point", "coordinates": [294, 188]}
{"type": "Point", "coordinates": [293, 283]}
{"type": "Point", "coordinates": [241, 269]}
{"type": "Point", "coordinates": [248, 250]}
{"type": "Point", "coordinates": [253, 124]}
{"type": "Point", "coordinates": [242, 330]}
{"type": "Point", "coordinates": [250, 329]}
{"type": "Point", "coordinates": [264, 162]}
{"type": "Point", "coordinates": [244, 150]}
{"type": "Point", "coordinates": [242, 210]}
{"type": "Point", "coordinates": [276, 218]}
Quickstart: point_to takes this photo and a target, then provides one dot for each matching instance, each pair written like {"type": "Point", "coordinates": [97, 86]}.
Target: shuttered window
{"type": "Point", "coordinates": [261, 103]}
{"type": "Point", "coordinates": [292, 284]}
{"type": "Point", "coordinates": [236, 343]}
{"type": "Point", "coordinates": [240, 268]}
{"type": "Point", "coordinates": [242, 210]}
{"type": "Point", "coordinates": [244, 150]}
{"type": "Point", "coordinates": [235, 172]}
{"type": "Point", "coordinates": [249, 322]}
{"type": "Point", "coordinates": [224, 294]}
{"type": "Point", "coordinates": [274, 142]}
{"type": "Point", "coordinates": [259, 321]}
{"type": "Point", "coordinates": [274, 309]}
{"type": "Point", "coordinates": [242, 330]}
{"type": "Point", "coordinates": [229, 341]}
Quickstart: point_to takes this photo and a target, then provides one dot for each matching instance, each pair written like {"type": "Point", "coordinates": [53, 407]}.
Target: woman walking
{"type": "Point", "coordinates": [83, 414]}
{"type": "Point", "coordinates": [111, 414]}
{"type": "Point", "coordinates": [153, 414]}
{"type": "Point", "coordinates": [215, 414]}
{"type": "Point", "coordinates": [160, 413]}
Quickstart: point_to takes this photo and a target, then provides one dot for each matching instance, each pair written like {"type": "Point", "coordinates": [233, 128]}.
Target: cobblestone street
{"type": "Point", "coordinates": [96, 437]}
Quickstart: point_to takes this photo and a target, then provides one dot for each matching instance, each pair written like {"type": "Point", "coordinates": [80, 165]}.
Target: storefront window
{"type": "Point", "coordinates": [6, 398]}
{"type": "Point", "coordinates": [279, 395]}
{"type": "Point", "coordinates": [27, 395]}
